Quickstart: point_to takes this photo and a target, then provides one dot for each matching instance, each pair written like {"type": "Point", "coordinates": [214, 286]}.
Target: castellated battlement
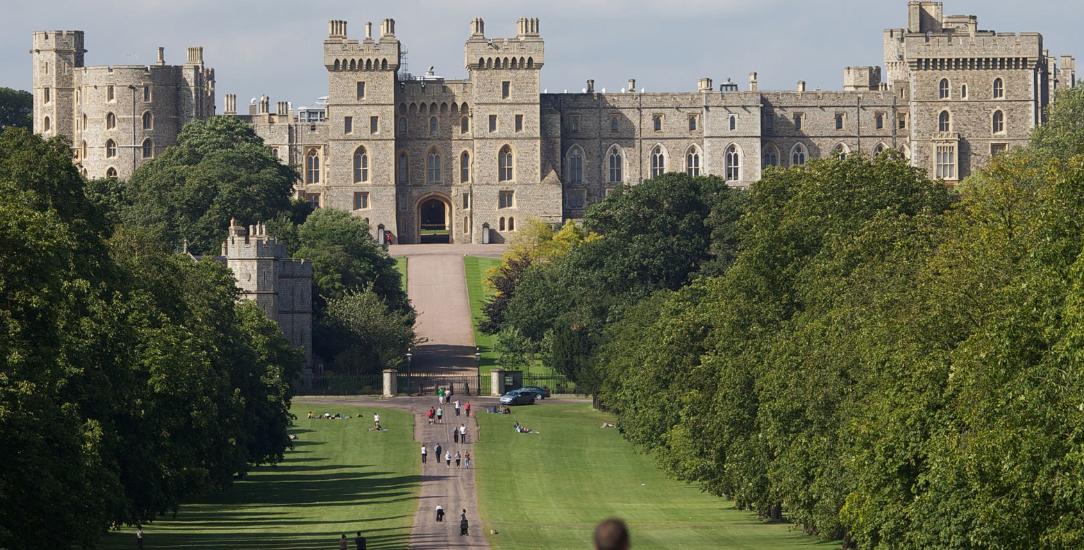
{"type": "Point", "coordinates": [344, 54]}
{"type": "Point", "coordinates": [67, 41]}
{"type": "Point", "coordinates": [252, 242]}
{"type": "Point", "coordinates": [525, 51]}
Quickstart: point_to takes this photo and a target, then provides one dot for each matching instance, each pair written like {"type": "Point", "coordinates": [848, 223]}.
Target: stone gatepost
{"type": "Point", "coordinates": [391, 382]}
{"type": "Point", "coordinates": [496, 382]}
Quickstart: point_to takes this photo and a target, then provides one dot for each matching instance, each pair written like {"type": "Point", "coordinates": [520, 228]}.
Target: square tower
{"type": "Point", "coordinates": [56, 55]}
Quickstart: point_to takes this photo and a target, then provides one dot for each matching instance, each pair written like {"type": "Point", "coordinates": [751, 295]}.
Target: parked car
{"type": "Point", "coordinates": [541, 393]}
{"type": "Point", "coordinates": [518, 397]}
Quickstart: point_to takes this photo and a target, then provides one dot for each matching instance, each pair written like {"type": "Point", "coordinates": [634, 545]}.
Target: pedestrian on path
{"type": "Point", "coordinates": [457, 407]}
{"type": "Point", "coordinates": [463, 434]}
{"type": "Point", "coordinates": [359, 541]}
{"type": "Point", "coordinates": [467, 407]}
{"type": "Point", "coordinates": [424, 453]}
{"type": "Point", "coordinates": [458, 459]}
{"type": "Point", "coordinates": [440, 395]}
{"type": "Point", "coordinates": [440, 513]}
{"type": "Point", "coordinates": [466, 462]}
{"type": "Point", "coordinates": [139, 537]}
{"type": "Point", "coordinates": [449, 393]}
{"type": "Point", "coordinates": [440, 415]}
{"type": "Point", "coordinates": [342, 543]}
{"type": "Point", "coordinates": [438, 453]}
{"type": "Point", "coordinates": [429, 414]}
{"type": "Point", "coordinates": [455, 434]}
{"type": "Point", "coordinates": [463, 524]}
{"type": "Point", "coordinates": [448, 458]}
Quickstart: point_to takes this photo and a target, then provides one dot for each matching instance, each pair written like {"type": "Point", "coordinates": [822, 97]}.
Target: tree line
{"type": "Point", "coordinates": [848, 346]}
{"type": "Point", "coordinates": [133, 378]}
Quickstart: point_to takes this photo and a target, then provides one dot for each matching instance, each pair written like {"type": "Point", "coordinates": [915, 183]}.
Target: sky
{"type": "Point", "coordinates": [274, 47]}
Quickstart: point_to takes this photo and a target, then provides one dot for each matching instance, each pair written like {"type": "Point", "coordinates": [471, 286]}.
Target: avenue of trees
{"type": "Point", "coordinates": [131, 377]}
{"type": "Point", "coordinates": [848, 346]}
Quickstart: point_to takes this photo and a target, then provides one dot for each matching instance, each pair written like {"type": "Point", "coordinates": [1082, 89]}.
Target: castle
{"type": "Point", "coordinates": [280, 286]}
{"type": "Point", "coordinates": [423, 158]}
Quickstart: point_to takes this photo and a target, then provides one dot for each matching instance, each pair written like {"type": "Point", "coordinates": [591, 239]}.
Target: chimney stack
{"type": "Point", "coordinates": [590, 86]}
{"type": "Point", "coordinates": [369, 31]}
{"type": "Point", "coordinates": [753, 82]}
{"type": "Point", "coordinates": [231, 104]}
{"type": "Point", "coordinates": [195, 55]}
{"type": "Point", "coordinates": [632, 85]}
{"type": "Point", "coordinates": [704, 85]}
{"type": "Point", "coordinates": [477, 28]}
{"type": "Point", "coordinates": [161, 55]}
{"type": "Point", "coordinates": [801, 86]}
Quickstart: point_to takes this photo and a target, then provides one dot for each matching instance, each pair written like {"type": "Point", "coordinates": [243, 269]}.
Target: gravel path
{"type": "Point", "coordinates": [437, 286]}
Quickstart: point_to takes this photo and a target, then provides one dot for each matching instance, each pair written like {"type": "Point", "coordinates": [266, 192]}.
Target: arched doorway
{"type": "Point", "coordinates": [434, 221]}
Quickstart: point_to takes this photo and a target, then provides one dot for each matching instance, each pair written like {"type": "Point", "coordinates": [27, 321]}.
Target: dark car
{"type": "Point", "coordinates": [541, 393]}
{"type": "Point", "coordinates": [518, 397]}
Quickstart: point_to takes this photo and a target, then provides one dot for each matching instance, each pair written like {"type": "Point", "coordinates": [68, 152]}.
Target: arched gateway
{"type": "Point", "coordinates": [434, 220]}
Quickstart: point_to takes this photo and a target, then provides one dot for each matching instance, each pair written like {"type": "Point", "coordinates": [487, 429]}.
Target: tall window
{"type": "Point", "coordinates": [692, 162]}
{"type": "Point", "coordinates": [402, 126]}
{"type": "Point", "coordinates": [432, 125]}
{"type": "Point", "coordinates": [946, 162]}
{"type": "Point", "coordinates": [148, 121]}
{"type": "Point", "coordinates": [148, 148]}
{"type": "Point", "coordinates": [110, 149]}
{"type": "Point", "coordinates": [615, 123]}
{"type": "Point", "coordinates": [840, 151]}
{"type": "Point", "coordinates": [797, 121]}
{"type": "Point", "coordinates": [733, 122]}
{"type": "Point", "coordinates": [798, 155]}
{"type": "Point", "coordinates": [47, 95]}
{"type": "Point", "coordinates": [658, 162]}
{"type": "Point", "coordinates": [312, 167]}
{"type": "Point", "coordinates": [361, 200]}
{"type": "Point", "coordinates": [999, 122]}
{"type": "Point", "coordinates": [879, 120]}
{"type": "Point", "coordinates": [693, 123]}
{"type": "Point", "coordinates": [348, 125]}
{"type": "Point", "coordinates": [110, 93]}
{"type": "Point", "coordinates": [506, 199]}
{"type": "Point", "coordinates": [361, 90]}
{"type": "Point", "coordinates": [771, 156]}
{"type": "Point", "coordinates": [733, 163]}
{"type": "Point", "coordinates": [657, 122]}
{"type": "Point", "coordinates": [504, 164]}
{"type": "Point", "coordinates": [492, 123]}
{"type": "Point", "coordinates": [839, 121]}
{"type": "Point", "coordinates": [361, 165]}
{"type": "Point", "coordinates": [464, 125]}
{"type": "Point", "coordinates": [944, 122]}
{"type": "Point", "coordinates": [466, 201]}
{"type": "Point", "coordinates": [374, 124]}
{"type": "Point", "coordinates": [506, 89]}
{"type": "Point", "coordinates": [47, 124]}
{"type": "Point", "coordinates": [519, 123]}
{"type": "Point", "coordinates": [464, 167]}
{"type": "Point", "coordinates": [943, 89]}
{"type": "Point", "coordinates": [963, 91]}
{"type": "Point", "coordinates": [146, 93]}
{"type": "Point", "coordinates": [110, 121]}
{"type": "Point", "coordinates": [999, 88]}
{"type": "Point", "coordinates": [616, 163]}
{"type": "Point", "coordinates": [432, 168]}
{"type": "Point", "coordinates": [403, 173]}
{"type": "Point", "coordinates": [575, 166]}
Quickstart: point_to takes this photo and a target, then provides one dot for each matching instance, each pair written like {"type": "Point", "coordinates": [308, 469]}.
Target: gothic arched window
{"type": "Point", "coordinates": [464, 167]}
{"type": "Point", "coordinates": [575, 166]}
{"type": "Point", "coordinates": [943, 89]}
{"type": "Point", "coordinates": [944, 122]}
{"type": "Point", "coordinates": [432, 167]}
{"type": "Point", "coordinates": [692, 162]}
{"type": "Point", "coordinates": [658, 162]}
{"type": "Point", "coordinates": [999, 122]}
{"type": "Point", "coordinates": [148, 148]}
{"type": "Point", "coordinates": [312, 167]}
{"type": "Point", "coordinates": [616, 163]}
{"type": "Point", "coordinates": [361, 165]}
{"type": "Point", "coordinates": [798, 155]}
{"type": "Point", "coordinates": [733, 163]}
{"type": "Point", "coordinates": [505, 164]}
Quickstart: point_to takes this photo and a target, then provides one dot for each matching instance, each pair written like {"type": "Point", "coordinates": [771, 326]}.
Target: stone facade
{"type": "Point", "coordinates": [480, 153]}
{"type": "Point", "coordinates": [280, 286]}
{"type": "Point", "coordinates": [120, 116]}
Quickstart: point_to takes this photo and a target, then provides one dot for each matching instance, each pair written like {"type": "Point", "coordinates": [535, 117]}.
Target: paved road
{"type": "Point", "coordinates": [437, 287]}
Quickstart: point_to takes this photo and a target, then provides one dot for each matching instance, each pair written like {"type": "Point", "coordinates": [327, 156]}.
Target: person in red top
{"type": "Point", "coordinates": [429, 414]}
{"type": "Point", "coordinates": [467, 407]}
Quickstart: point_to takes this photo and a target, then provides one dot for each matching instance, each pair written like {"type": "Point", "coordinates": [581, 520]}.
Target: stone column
{"type": "Point", "coordinates": [391, 380]}
{"type": "Point", "coordinates": [496, 382]}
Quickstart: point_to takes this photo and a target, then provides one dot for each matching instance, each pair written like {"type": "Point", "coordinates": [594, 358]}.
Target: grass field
{"type": "Point", "coordinates": [401, 265]}
{"type": "Point", "coordinates": [478, 292]}
{"type": "Point", "coordinates": [548, 490]}
{"type": "Point", "coordinates": [340, 478]}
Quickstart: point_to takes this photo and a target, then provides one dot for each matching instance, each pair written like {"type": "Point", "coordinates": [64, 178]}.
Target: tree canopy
{"type": "Point", "coordinates": [16, 109]}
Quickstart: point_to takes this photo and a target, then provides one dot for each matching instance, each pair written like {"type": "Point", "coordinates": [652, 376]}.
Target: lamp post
{"type": "Point", "coordinates": [478, 368]}
{"type": "Point", "coordinates": [409, 359]}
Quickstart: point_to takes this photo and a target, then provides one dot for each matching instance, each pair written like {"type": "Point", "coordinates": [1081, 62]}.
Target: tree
{"type": "Point", "coordinates": [16, 109]}
{"type": "Point", "coordinates": [377, 336]}
{"type": "Point", "coordinates": [219, 169]}
{"type": "Point", "coordinates": [513, 350]}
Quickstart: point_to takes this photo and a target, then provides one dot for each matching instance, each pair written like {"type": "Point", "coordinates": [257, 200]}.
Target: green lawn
{"type": "Point", "coordinates": [401, 265]}
{"type": "Point", "coordinates": [479, 292]}
{"type": "Point", "coordinates": [340, 478]}
{"type": "Point", "coordinates": [548, 490]}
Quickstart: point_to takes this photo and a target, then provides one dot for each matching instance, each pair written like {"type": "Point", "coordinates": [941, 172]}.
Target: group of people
{"type": "Point", "coordinates": [359, 541]}
{"type": "Point", "coordinates": [436, 414]}
{"type": "Point", "coordinates": [463, 524]}
{"type": "Point", "coordinates": [461, 460]}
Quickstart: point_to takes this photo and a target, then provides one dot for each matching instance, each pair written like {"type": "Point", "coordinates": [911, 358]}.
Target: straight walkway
{"type": "Point", "coordinates": [437, 286]}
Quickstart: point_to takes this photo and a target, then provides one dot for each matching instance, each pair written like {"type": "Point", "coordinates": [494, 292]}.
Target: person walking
{"type": "Point", "coordinates": [455, 434]}
{"type": "Point", "coordinates": [425, 453]}
{"type": "Point", "coordinates": [438, 453]}
{"type": "Point", "coordinates": [466, 461]}
{"type": "Point", "coordinates": [457, 407]}
{"type": "Point", "coordinates": [429, 414]}
{"type": "Point", "coordinates": [360, 541]}
{"type": "Point", "coordinates": [342, 543]}
{"type": "Point", "coordinates": [467, 408]}
{"type": "Point", "coordinates": [440, 395]}
{"type": "Point", "coordinates": [463, 523]}
{"type": "Point", "coordinates": [458, 459]}
{"type": "Point", "coordinates": [440, 513]}
{"type": "Point", "coordinates": [448, 458]}
{"type": "Point", "coordinates": [440, 415]}
{"type": "Point", "coordinates": [139, 537]}
{"type": "Point", "coordinates": [463, 434]}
